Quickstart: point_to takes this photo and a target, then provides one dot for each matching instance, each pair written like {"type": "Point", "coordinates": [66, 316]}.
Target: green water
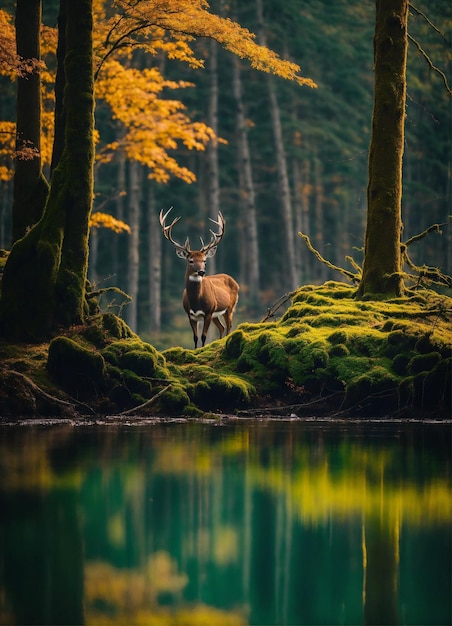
{"type": "Point", "coordinates": [264, 522]}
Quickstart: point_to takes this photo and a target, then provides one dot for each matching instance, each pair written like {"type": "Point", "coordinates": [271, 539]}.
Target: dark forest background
{"type": "Point", "coordinates": [325, 138]}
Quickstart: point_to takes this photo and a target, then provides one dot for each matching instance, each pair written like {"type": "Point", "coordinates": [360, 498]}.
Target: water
{"type": "Point", "coordinates": [264, 522]}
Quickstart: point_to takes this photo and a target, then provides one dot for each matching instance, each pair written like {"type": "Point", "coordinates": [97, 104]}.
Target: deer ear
{"type": "Point", "coordinates": [211, 252]}
{"type": "Point", "coordinates": [182, 254]}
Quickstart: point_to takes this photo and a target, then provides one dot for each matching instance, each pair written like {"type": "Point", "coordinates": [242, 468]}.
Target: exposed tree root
{"type": "Point", "coordinates": [140, 407]}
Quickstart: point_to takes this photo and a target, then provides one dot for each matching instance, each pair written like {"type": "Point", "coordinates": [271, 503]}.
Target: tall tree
{"type": "Point", "coordinates": [247, 193]}
{"type": "Point", "coordinates": [291, 278]}
{"type": "Point", "coordinates": [133, 251]}
{"type": "Point", "coordinates": [44, 279]}
{"type": "Point", "coordinates": [382, 268]}
{"type": "Point", "coordinates": [30, 186]}
{"type": "Point", "coordinates": [212, 146]}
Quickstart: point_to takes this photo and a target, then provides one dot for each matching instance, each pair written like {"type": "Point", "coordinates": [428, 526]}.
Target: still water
{"type": "Point", "coordinates": [242, 522]}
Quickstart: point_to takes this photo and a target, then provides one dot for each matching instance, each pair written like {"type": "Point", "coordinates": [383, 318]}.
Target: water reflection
{"type": "Point", "coordinates": [243, 523]}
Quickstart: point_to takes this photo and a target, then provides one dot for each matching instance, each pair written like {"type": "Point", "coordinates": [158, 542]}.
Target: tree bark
{"type": "Point", "coordinates": [382, 256]}
{"type": "Point", "coordinates": [133, 253]}
{"type": "Point", "coordinates": [44, 280]}
{"type": "Point", "coordinates": [318, 217]}
{"type": "Point", "coordinates": [248, 196]}
{"type": "Point", "coordinates": [212, 146]}
{"type": "Point", "coordinates": [30, 186]}
{"type": "Point", "coordinates": [155, 265]}
{"type": "Point", "coordinates": [60, 81]}
{"type": "Point", "coordinates": [281, 162]}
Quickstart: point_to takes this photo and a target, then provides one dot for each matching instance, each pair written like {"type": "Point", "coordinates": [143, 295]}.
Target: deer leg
{"type": "Point", "coordinates": [228, 320]}
{"type": "Point", "coordinates": [219, 325]}
{"type": "Point", "coordinates": [205, 328]}
{"type": "Point", "coordinates": [194, 327]}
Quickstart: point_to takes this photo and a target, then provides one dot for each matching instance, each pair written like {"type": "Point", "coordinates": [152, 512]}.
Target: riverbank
{"type": "Point", "coordinates": [328, 356]}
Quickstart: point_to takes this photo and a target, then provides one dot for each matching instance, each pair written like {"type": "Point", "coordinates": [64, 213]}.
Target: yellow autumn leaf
{"type": "Point", "coordinates": [105, 220]}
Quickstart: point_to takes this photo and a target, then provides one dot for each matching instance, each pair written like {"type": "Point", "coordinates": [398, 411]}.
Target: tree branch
{"type": "Point", "coordinates": [147, 403]}
{"type": "Point", "coordinates": [277, 305]}
{"type": "Point", "coordinates": [433, 67]}
{"type": "Point", "coordinates": [355, 278]}
{"type": "Point", "coordinates": [428, 21]}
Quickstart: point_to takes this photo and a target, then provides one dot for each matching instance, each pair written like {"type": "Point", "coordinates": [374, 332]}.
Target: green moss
{"type": "Point", "coordinates": [378, 358]}
{"type": "Point", "coordinates": [135, 384]}
{"type": "Point", "coordinates": [174, 401]}
{"type": "Point", "coordinates": [339, 350]}
{"type": "Point", "coordinates": [116, 327]}
{"type": "Point", "coordinates": [78, 370]}
{"type": "Point", "coordinates": [178, 356]}
{"type": "Point", "coordinates": [378, 385]}
{"type": "Point", "coordinates": [424, 362]}
{"type": "Point", "coordinates": [218, 393]}
{"type": "Point", "coordinates": [137, 356]}
{"type": "Point", "coordinates": [400, 363]}
{"type": "Point", "coordinates": [339, 336]}
{"type": "Point", "coordinates": [297, 328]}
{"type": "Point", "coordinates": [234, 344]}
{"type": "Point", "coordinates": [94, 333]}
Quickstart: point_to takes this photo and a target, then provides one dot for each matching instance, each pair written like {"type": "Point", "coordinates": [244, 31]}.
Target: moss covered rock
{"type": "Point", "coordinates": [79, 370]}
{"type": "Point", "coordinates": [372, 357]}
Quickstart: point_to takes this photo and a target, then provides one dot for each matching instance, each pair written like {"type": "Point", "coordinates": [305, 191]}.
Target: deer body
{"type": "Point", "coordinates": [205, 299]}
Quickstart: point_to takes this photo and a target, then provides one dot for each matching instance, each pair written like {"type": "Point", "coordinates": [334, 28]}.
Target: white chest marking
{"type": "Point", "coordinates": [198, 316]}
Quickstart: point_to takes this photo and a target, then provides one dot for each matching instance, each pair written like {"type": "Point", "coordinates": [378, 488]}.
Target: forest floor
{"type": "Point", "coordinates": [328, 356]}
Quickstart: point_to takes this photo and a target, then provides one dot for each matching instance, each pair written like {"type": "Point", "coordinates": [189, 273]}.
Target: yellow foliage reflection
{"type": "Point", "coordinates": [131, 596]}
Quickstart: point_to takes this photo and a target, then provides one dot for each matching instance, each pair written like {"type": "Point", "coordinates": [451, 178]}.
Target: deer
{"type": "Point", "coordinates": [205, 299]}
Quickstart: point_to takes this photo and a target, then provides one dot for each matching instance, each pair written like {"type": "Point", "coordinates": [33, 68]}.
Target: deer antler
{"type": "Point", "coordinates": [216, 237]}
{"type": "Point", "coordinates": [168, 229]}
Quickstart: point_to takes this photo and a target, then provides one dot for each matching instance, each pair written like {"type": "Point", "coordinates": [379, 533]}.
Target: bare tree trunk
{"type": "Point", "coordinates": [247, 194]}
{"type": "Point", "coordinates": [155, 265]}
{"type": "Point", "coordinates": [306, 193]}
{"type": "Point", "coordinates": [299, 226]}
{"type": "Point", "coordinates": [318, 217]}
{"type": "Point", "coordinates": [117, 242]}
{"type": "Point", "coordinates": [382, 257]}
{"type": "Point", "coordinates": [30, 186]}
{"type": "Point", "coordinates": [212, 146]}
{"type": "Point", "coordinates": [283, 178]}
{"type": "Point", "coordinates": [133, 253]}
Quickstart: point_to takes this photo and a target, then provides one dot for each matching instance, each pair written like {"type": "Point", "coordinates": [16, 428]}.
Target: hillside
{"type": "Point", "coordinates": [328, 355]}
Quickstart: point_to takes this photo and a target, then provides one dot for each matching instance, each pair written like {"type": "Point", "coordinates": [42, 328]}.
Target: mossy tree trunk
{"type": "Point", "coordinates": [30, 186]}
{"type": "Point", "coordinates": [44, 280]}
{"type": "Point", "coordinates": [382, 256]}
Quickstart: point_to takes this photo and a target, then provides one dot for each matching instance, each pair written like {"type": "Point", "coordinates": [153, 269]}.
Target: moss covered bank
{"type": "Point", "coordinates": [329, 354]}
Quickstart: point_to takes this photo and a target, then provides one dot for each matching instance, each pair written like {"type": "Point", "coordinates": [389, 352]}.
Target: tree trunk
{"type": "Point", "coordinates": [30, 186]}
{"type": "Point", "coordinates": [60, 81]}
{"type": "Point", "coordinates": [121, 239]}
{"type": "Point", "coordinates": [93, 256]}
{"type": "Point", "coordinates": [44, 280]}
{"type": "Point", "coordinates": [212, 146]}
{"type": "Point", "coordinates": [155, 265]}
{"type": "Point", "coordinates": [318, 218]}
{"type": "Point", "coordinates": [382, 256]}
{"type": "Point", "coordinates": [248, 197]}
{"type": "Point", "coordinates": [283, 178]}
{"type": "Point", "coordinates": [133, 254]}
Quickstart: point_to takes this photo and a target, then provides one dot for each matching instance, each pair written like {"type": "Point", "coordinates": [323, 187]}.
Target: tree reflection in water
{"type": "Point", "coordinates": [264, 522]}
